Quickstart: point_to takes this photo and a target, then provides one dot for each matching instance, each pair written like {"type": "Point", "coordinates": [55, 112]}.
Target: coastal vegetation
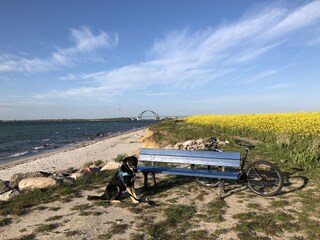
{"type": "Point", "coordinates": [295, 137]}
{"type": "Point", "coordinates": [289, 139]}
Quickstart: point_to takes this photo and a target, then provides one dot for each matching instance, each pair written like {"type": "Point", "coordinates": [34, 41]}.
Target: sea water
{"type": "Point", "coordinates": [26, 138]}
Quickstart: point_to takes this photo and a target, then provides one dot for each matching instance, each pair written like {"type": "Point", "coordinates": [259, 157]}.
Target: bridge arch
{"type": "Point", "coordinates": [157, 117]}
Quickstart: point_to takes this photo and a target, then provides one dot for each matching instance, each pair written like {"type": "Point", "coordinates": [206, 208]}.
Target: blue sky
{"type": "Point", "coordinates": [96, 59]}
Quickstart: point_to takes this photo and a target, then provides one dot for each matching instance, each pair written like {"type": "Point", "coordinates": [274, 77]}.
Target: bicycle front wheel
{"type": "Point", "coordinates": [264, 178]}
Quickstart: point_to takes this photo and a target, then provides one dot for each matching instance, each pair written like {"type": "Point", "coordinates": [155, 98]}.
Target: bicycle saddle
{"type": "Point", "coordinates": [250, 147]}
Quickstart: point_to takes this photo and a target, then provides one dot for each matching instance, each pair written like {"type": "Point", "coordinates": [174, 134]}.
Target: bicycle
{"type": "Point", "coordinates": [262, 177]}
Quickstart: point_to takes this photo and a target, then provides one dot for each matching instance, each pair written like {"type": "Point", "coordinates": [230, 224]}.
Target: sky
{"type": "Point", "coordinates": [117, 58]}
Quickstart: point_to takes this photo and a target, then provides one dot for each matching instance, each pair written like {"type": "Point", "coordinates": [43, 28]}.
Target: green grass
{"type": "Point", "coordinates": [93, 163]}
{"type": "Point", "coordinates": [310, 214]}
{"type": "Point", "coordinates": [83, 210]}
{"type": "Point", "coordinates": [178, 221]}
{"type": "Point", "coordinates": [216, 210]}
{"type": "Point", "coordinates": [120, 157]}
{"type": "Point", "coordinates": [5, 221]}
{"type": "Point", "coordinates": [279, 203]}
{"type": "Point", "coordinates": [253, 205]}
{"type": "Point", "coordinates": [46, 227]}
{"type": "Point", "coordinates": [102, 203]}
{"type": "Point", "coordinates": [54, 218]}
{"type": "Point", "coordinates": [252, 224]}
{"type": "Point", "coordinates": [25, 237]}
{"type": "Point", "coordinates": [24, 203]}
{"type": "Point", "coordinates": [81, 207]}
{"type": "Point", "coordinates": [116, 229]}
{"type": "Point", "coordinates": [70, 233]}
{"type": "Point", "coordinates": [172, 132]}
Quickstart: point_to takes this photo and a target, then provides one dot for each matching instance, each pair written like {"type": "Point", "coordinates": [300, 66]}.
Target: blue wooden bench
{"type": "Point", "coordinates": [192, 158]}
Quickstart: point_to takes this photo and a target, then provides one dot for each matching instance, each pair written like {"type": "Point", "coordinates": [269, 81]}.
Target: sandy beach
{"type": "Point", "coordinates": [76, 155]}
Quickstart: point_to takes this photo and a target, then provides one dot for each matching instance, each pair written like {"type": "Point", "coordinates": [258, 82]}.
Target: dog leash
{"type": "Point", "coordinates": [151, 203]}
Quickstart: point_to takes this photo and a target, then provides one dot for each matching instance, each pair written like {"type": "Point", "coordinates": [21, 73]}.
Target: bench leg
{"type": "Point", "coordinates": [145, 185]}
{"type": "Point", "coordinates": [154, 179]}
{"type": "Point", "coordinates": [221, 188]}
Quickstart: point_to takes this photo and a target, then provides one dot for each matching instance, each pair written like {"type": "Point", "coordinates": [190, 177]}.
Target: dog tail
{"type": "Point", "coordinates": [95, 197]}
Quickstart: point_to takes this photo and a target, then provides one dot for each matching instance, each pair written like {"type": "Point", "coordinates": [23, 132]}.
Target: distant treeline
{"type": "Point", "coordinates": [71, 120]}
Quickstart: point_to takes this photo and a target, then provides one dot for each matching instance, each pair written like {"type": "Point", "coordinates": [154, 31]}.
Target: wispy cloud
{"type": "Point", "coordinates": [303, 16]}
{"type": "Point", "coordinates": [86, 45]}
{"type": "Point", "coordinates": [261, 75]}
{"type": "Point", "coordinates": [185, 59]}
{"type": "Point", "coordinates": [280, 86]}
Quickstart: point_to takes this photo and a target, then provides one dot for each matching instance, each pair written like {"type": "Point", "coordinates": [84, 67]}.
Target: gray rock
{"type": "Point", "coordinates": [78, 174]}
{"type": "Point", "coordinates": [63, 180]}
{"type": "Point", "coordinates": [8, 195]}
{"type": "Point", "coordinates": [3, 187]}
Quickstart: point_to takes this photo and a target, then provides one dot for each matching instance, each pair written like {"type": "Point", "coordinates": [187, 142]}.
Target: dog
{"type": "Point", "coordinates": [122, 181]}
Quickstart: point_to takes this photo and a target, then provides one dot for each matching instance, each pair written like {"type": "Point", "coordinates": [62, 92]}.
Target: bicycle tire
{"type": "Point", "coordinates": [207, 182]}
{"type": "Point", "coordinates": [264, 178]}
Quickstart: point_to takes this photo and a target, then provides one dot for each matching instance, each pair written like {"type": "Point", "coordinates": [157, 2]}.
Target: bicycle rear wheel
{"type": "Point", "coordinates": [207, 182]}
{"type": "Point", "coordinates": [264, 178]}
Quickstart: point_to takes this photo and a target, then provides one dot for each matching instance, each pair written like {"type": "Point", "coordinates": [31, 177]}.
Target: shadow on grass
{"type": "Point", "coordinates": [164, 185]}
{"type": "Point", "coordinates": [178, 181]}
{"type": "Point", "coordinates": [293, 187]}
{"type": "Point", "coordinates": [233, 188]}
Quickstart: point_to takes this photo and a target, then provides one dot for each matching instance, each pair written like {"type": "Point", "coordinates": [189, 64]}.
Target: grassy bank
{"type": "Point", "coordinates": [294, 137]}
{"type": "Point", "coordinates": [289, 150]}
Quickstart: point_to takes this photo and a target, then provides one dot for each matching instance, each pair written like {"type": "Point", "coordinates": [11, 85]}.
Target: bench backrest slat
{"type": "Point", "coordinates": [227, 159]}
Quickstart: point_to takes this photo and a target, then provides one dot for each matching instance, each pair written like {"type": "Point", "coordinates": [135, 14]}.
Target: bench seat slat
{"type": "Point", "coordinates": [189, 172]}
{"type": "Point", "coordinates": [224, 159]}
{"type": "Point", "coordinates": [192, 160]}
{"type": "Point", "coordinates": [189, 153]}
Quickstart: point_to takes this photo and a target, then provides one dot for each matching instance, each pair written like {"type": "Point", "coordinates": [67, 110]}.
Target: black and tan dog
{"type": "Point", "coordinates": [122, 181]}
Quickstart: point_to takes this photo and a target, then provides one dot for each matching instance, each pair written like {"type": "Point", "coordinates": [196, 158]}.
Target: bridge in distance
{"type": "Point", "coordinates": [149, 114]}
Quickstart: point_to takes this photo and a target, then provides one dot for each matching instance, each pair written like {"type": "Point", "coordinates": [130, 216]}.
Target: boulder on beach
{"type": "Point", "coordinates": [77, 175]}
{"type": "Point", "coordinates": [84, 171]}
{"type": "Point", "coordinates": [111, 166]}
{"type": "Point", "coordinates": [37, 183]}
{"type": "Point", "coordinates": [16, 178]}
{"type": "Point", "coordinates": [3, 187]}
{"type": "Point", "coordinates": [9, 194]}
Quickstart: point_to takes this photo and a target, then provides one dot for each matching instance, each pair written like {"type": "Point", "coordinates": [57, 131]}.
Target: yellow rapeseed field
{"type": "Point", "coordinates": [301, 123]}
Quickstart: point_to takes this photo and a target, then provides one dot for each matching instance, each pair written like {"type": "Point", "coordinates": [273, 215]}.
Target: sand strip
{"type": "Point", "coordinates": [76, 155]}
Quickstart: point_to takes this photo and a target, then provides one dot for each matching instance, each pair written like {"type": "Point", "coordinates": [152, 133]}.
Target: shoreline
{"type": "Point", "coordinates": [77, 154]}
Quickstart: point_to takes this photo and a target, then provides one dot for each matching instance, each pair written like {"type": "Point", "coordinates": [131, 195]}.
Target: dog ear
{"type": "Point", "coordinates": [125, 160]}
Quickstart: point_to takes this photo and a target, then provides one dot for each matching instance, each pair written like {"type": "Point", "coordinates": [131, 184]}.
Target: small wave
{"type": "Point", "coordinates": [46, 140]}
{"type": "Point", "coordinates": [19, 154]}
{"type": "Point", "coordinates": [37, 148]}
